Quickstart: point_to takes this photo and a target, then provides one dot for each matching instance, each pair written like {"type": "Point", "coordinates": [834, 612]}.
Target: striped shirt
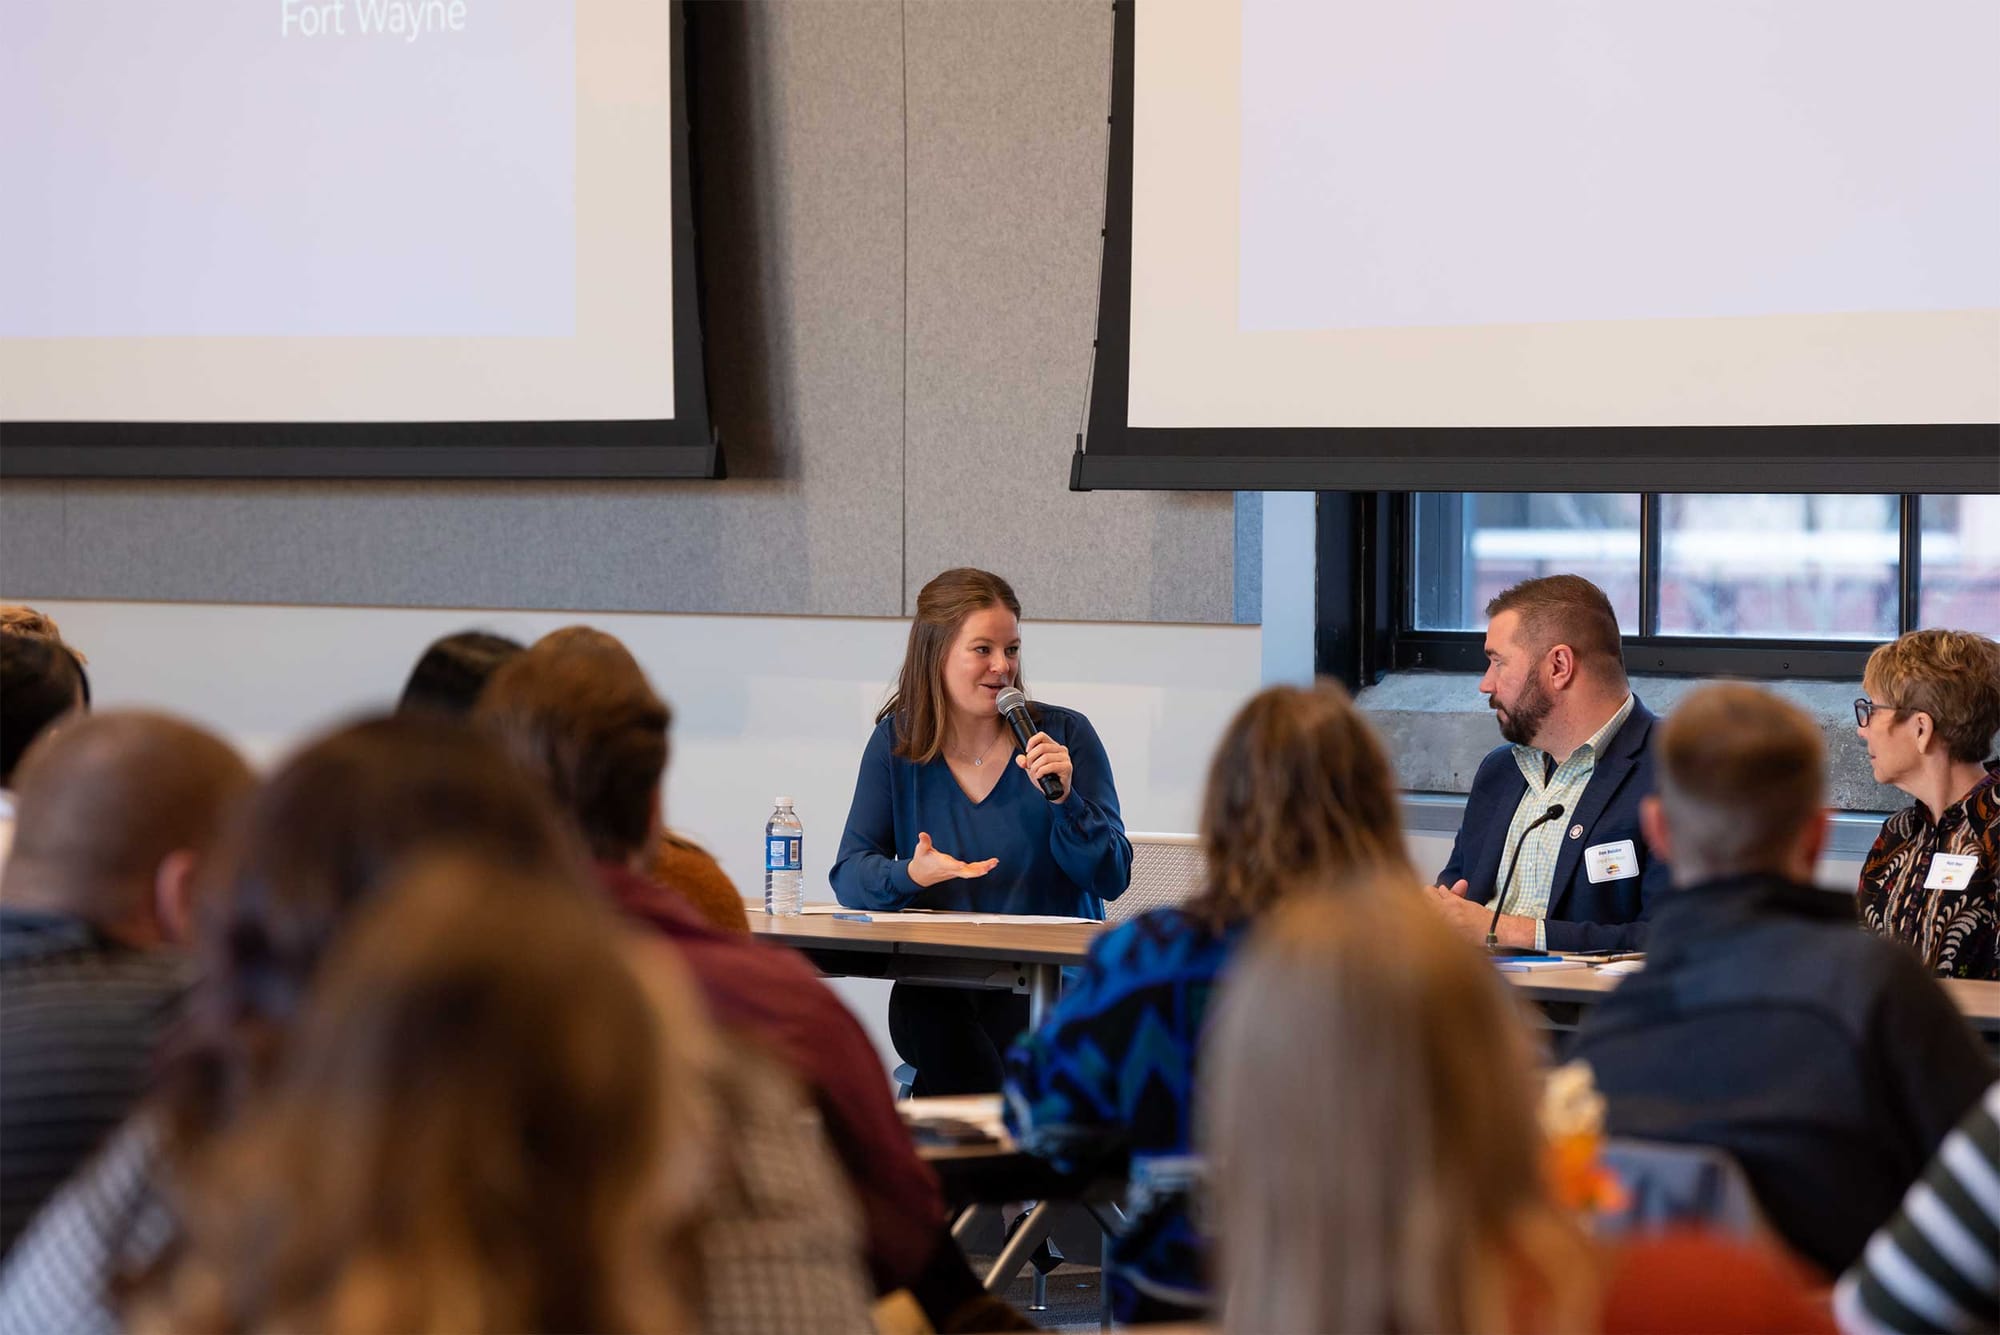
{"type": "Point", "coordinates": [80, 1017]}
{"type": "Point", "coordinates": [1936, 1265]}
{"type": "Point", "coordinates": [1535, 875]}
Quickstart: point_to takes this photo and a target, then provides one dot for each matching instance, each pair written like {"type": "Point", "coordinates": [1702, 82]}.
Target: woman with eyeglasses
{"type": "Point", "coordinates": [1928, 719]}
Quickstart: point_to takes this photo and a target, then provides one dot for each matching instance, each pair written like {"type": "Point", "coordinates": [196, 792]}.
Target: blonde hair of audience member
{"type": "Point", "coordinates": [115, 815]}
{"type": "Point", "coordinates": [1299, 790]}
{"type": "Point", "coordinates": [576, 713]}
{"type": "Point", "coordinates": [1938, 693]}
{"type": "Point", "coordinates": [1369, 1112]}
{"type": "Point", "coordinates": [487, 1122]}
{"type": "Point", "coordinates": [921, 705]}
{"type": "Point", "coordinates": [19, 620]}
{"type": "Point", "coordinates": [1739, 788]}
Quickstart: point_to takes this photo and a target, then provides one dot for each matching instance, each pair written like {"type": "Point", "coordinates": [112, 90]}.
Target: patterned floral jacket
{"type": "Point", "coordinates": [1954, 925]}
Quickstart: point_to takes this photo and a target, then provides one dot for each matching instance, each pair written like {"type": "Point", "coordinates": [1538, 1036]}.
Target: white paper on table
{"type": "Point", "coordinates": [928, 915]}
{"type": "Point", "coordinates": [1535, 964]}
{"type": "Point", "coordinates": [985, 919]}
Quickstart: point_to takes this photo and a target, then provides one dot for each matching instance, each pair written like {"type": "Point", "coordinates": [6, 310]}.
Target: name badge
{"type": "Point", "coordinates": [1611, 862]}
{"type": "Point", "coordinates": [1951, 871]}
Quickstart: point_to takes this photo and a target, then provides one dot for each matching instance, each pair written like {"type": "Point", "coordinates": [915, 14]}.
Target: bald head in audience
{"type": "Point", "coordinates": [115, 813]}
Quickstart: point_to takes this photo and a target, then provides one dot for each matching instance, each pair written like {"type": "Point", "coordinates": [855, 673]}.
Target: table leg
{"type": "Point", "coordinates": [1044, 986]}
{"type": "Point", "coordinates": [1029, 1233]}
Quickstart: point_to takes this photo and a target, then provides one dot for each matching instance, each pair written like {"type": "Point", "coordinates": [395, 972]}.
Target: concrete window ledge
{"type": "Point", "coordinates": [1438, 727]}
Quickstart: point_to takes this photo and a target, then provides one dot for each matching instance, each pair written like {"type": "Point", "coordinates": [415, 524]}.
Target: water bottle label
{"type": "Point", "coordinates": [782, 853]}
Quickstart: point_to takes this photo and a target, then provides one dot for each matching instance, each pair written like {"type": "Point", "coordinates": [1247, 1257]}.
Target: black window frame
{"type": "Point", "coordinates": [1364, 601]}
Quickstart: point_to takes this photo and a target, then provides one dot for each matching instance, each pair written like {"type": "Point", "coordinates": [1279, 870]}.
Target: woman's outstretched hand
{"type": "Point", "coordinates": [928, 866]}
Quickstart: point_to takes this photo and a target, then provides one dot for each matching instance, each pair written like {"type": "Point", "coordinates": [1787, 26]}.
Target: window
{"type": "Point", "coordinates": [1958, 560]}
{"type": "Point", "coordinates": [1780, 567]}
{"type": "Point", "coordinates": [1767, 586]}
{"type": "Point", "coordinates": [1468, 546]}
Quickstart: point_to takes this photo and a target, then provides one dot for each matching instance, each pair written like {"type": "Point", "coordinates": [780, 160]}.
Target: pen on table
{"type": "Point", "coordinates": [851, 917]}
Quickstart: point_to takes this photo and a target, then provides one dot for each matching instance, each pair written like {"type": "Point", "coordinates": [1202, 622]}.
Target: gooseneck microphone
{"type": "Point", "coordinates": [1493, 946]}
{"type": "Point", "coordinates": [1014, 708]}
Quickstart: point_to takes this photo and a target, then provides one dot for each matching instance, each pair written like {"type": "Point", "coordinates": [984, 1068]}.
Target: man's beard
{"type": "Point", "coordinates": [1520, 723]}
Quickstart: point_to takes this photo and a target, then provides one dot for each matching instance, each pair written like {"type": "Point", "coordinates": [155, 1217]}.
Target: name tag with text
{"type": "Point", "coordinates": [1951, 871]}
{"type": "Point", "coordinates": [1611, 862]}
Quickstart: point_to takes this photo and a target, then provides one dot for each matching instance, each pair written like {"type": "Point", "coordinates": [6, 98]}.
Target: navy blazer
{"type": "Point", "coordinates": [1608, 915]}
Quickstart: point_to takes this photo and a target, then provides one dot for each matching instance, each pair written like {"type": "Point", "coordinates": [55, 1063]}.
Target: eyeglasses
{"type": "Point", "coordinates": [1864, 709]}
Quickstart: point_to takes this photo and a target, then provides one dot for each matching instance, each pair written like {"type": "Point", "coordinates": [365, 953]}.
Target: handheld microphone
{"type": "Point", "coordinates": [1014, 708]}
{"type": "Point", "coordinates": [1493, 946]}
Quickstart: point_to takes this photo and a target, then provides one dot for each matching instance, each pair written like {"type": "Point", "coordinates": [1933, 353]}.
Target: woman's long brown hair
{"type": "Point", "coordinates": [482, 1124]}
{"type": "Point", "coordinates": [1299, 792]}
{"type": "Point", "coordinates": [919, 706]}
{"type": "Point", "coordinates": [316, 841]}
{"type": "Point", "coordinates": [1369, 1116]}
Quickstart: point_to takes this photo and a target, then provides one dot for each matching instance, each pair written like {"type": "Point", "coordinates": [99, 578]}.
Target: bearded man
{"type": "Point", "coordinates": [1578, 746]}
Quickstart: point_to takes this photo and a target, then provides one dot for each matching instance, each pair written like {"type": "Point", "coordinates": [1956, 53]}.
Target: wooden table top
{"type": "Point", "coordinates": [1978, 1001]}
{"type": "Point", "coordinates": [1028, 943]}
{"type": "Point", "coordinates": [1069, 943]}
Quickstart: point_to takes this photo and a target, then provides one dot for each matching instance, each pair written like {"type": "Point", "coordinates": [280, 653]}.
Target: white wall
{"type": "Point", "coordinates": [762, 704]}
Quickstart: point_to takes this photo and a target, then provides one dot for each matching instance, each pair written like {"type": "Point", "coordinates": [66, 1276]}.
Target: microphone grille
{"type": "Point", "coordinates": [1011, 699]}
{"type": "Point", "coordinates": [1555, 810]}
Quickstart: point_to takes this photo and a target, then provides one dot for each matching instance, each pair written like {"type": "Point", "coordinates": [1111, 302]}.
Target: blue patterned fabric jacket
{"type": "Point", "coordinates": [1111, 1074]}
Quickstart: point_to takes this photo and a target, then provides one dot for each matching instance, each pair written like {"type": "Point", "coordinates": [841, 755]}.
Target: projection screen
{"type": "Point", "coordinates": [348, 238]}
{"type": "Point", "coordinates": [1551, 245]}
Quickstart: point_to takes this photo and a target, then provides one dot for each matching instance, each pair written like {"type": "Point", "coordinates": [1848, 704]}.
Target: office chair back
{"type": "Point", "coordinates": [1167, 871]}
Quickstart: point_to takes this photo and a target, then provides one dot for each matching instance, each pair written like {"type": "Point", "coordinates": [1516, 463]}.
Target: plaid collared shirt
{"type": "Point", "coordinates": [1534, 877]}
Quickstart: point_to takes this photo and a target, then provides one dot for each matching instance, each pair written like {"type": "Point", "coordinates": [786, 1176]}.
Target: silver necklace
{"type": "Point", "coordinates": [980, 759]}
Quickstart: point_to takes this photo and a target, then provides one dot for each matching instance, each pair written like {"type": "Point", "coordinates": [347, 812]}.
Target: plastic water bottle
{"type": "Point", "coordinates": [784, 865]}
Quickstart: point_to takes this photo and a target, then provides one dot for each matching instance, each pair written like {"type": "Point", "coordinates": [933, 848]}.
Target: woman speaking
{"type": "Point", "coordinates": [946, 815]}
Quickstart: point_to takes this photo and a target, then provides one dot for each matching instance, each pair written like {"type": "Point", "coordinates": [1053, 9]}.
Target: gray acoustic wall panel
{"type": "Point", "coordinates": [1007, 137]}
{"type": "Point", "coordinates": [31, 536]}
{"type": "Point", "coordinates": [824, 331]}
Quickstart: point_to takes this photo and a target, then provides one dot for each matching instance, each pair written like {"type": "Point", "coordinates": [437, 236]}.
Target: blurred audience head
{"type": "Point", "coordinates": [335, 823]}
{"type": "Point", "coordinates": [1554, 660]}
{"type": "Point", "coordinates": [115, 815]}
{"type": "Point", "coordinates": [1369, 1116]}
{"type": "Point", "coordinates": [40, 683]}
{"type": "Point", "coordinates": [1739, 787]}
{"type": "Point", "coordinates": [1300, 793]}
{"type": "Point", "coordinates": [448, 678]}
{"type": "Point", "coordinates": [577, 713]}
{"type": "Point", "coordinates": [485, 1122]}
{"type": "Point", "coordinates": [1935, 702]}
{"type": "Point", "coordinates": [20, 620]}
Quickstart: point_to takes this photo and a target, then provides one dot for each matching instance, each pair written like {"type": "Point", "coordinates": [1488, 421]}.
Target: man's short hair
{"type": "Point", "coordinates": [103, 801]}
{"type": "Point", "coordinates": [1952, 675]}
{"type": "Point", "coordinates": [576, 711]}
{"type": "Point", "coordinates": [1739, 774]}
{"type": "Point", "coordinates": [1565, 609]}
{"type": "Point", "coordinates": [449, 676]}
{"type": "Point", "coordinates": [39, 683]}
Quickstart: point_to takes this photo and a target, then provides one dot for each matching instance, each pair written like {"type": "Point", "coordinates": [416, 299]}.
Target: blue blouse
{"type": "Point", "coordinates": [1065, 858]}
{"type": "Point", "coordinates": [1112, 1072]}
